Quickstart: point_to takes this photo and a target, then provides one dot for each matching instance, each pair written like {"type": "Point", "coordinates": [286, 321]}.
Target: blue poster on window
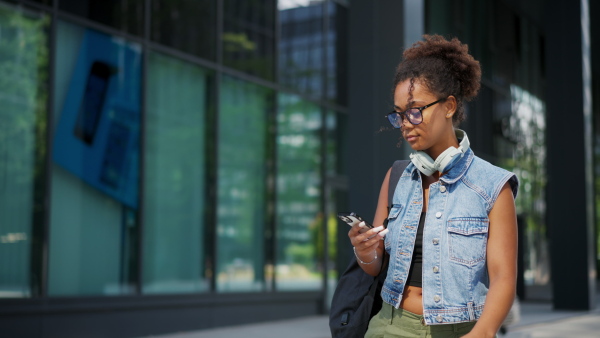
{"type": "Point", "coordinates": [97, 137]}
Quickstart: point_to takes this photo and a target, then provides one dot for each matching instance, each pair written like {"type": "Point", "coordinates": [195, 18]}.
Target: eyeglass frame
{"type": "Point", "coordinates": [404, 113]}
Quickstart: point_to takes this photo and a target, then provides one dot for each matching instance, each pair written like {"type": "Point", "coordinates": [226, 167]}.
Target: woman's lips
{"type": "Point", "coordinates": [411, 138]}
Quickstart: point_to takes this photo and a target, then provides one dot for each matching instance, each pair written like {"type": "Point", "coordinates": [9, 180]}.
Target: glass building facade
{"type": "Point", "coordinates": [162, 149]}
{"type": "Point", "coordinates": [177, 165]}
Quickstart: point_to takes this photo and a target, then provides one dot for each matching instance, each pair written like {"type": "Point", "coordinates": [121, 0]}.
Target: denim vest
{"type": "Point", "coordinates": [455, 278]}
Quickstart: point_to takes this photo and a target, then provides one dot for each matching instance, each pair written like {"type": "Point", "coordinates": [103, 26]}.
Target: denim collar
{"type": "Point", "coordinates": [459, 169]}
{"type": "Point", "coordinates": [455, 173]}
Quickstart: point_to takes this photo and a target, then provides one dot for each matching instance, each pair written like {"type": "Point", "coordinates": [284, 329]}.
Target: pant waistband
{"type": "Point", "coordinates": [404, 313]}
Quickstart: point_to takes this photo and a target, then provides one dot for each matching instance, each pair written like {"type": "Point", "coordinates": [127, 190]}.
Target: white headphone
{"type": "Point", "coordinates": [428, 166]}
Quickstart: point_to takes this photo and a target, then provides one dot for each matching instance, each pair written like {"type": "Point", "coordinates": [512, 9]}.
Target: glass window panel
{"type": "Point", "coordinates": [335, 197]}
{"type": "Point", "coordinates": [187, 25]}
{"type": "Point", "coordinates": [124, 15]}
{"type": "Point", "coordinates": [520, 146]}
{"type": "Point", "coordinates": [93, 223]}
{"type": "Point", "coordinates": [174, 182]}
{"type": "Point", "coordinates": [337, 134]}
{"type": "Point", "coordinates": [249, 36]}
{"type": "Point", "coordinates": [24, 69]}
{"type": "Point", "coordinates": [301, 53]}
{"type": "Point", "coordinates": [440, 16]}
{"type": "Point", "coordinates": [45, 2]}
{"type": "Point", "coordinates": [339, 255]}
{"type": "Point", "coordinates": [242, 185]}
{"type": "Point", "coordinates": [299, 218]}
{"type": "Point", "coordinates": [337, 78]}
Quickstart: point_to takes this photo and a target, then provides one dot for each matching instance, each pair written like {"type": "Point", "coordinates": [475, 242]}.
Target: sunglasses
{"type": "Point", "coordinates": [414, 115]}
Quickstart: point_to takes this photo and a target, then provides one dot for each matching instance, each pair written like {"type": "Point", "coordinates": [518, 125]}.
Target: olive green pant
{"type": "Point", "coordinates": [396, 323]}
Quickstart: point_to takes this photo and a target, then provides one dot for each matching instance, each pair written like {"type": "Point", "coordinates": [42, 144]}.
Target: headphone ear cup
{"type": "Point", "coordinates": [423, 162]}
{"type": "Point", "coordinates": [450, 155]}
{"type": "Point", "coordinates": [445, 158]}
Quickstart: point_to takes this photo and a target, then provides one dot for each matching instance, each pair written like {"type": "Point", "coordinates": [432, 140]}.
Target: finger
{"type": "Point", "coordinates": [370, 237]}
{"type": "Point", "coordinates": [354, 231]}
{"type": "Point", "coordinates": [369, 245]}
{"type": "Point", "coordinates": [355, 235]}
{"type": "Point", "coordinates": [357, 227]}
{"type": "Point", "coordinates": [366, 248]}
{"type": "Point", "coordinates": [382, 233]}
{"type": "Point", "coordinates": [373, 236]}
{"type": "Point", "coordinates": [373, 232]}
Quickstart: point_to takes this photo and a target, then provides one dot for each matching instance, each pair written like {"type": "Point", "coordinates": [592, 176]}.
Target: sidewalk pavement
{"type": "Point", "coordinates": [538, 320]}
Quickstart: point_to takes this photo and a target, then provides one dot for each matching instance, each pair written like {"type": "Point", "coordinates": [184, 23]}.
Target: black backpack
{"type": "Point", "coordinates": [357, 297]}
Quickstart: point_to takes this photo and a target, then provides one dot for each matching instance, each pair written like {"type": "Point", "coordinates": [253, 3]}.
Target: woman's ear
{"type": "Point", "coordinates": [450, 105]}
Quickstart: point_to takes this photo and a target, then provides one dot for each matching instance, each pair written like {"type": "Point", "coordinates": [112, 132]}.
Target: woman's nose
{"type": "Point", "coordinates": [405, 122]}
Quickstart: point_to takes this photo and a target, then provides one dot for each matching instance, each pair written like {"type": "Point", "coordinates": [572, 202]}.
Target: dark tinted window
{"type": "Point", "coordinates": [188, 25]}
{"type": "Point", "coordinates": [336, 55]}
{"type": "Point", "coordinates": [124, 15]}
{"type": "Point", "coordinates": [45, 2]}
{"type": "Point", "coordinates": [249, 36]}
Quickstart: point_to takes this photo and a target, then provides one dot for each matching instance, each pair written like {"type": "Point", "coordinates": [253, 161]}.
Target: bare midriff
{"type": "Point", "coordinates": [412, 299]}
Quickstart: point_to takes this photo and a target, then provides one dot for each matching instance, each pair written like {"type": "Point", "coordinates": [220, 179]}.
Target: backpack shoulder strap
{"type": "Point", "coordinates": [397, 170]}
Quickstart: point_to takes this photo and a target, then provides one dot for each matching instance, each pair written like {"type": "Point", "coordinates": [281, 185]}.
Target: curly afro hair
{"type": "Point", "coordinates": [445, 67]}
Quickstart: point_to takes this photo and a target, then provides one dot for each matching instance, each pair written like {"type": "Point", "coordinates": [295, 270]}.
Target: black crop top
{"type": "Point", "coordinates": [415, 274]}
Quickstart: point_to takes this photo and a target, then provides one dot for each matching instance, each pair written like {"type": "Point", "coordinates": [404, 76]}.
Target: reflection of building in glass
{"type": "Point", "coordinates": [310, 61]}
{"type": "Point", "coordinates": [299, 216]}
{"type": "Point", "coordinates": [302, 49]}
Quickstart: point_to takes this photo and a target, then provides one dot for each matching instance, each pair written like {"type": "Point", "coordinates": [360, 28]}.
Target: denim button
{"type": "Point", "coordinates": [436, 269]}
{"type": "Point", "coordinates": [437, 298]}
{"type": "Point", "coordinates": [438, 214]}
{"type": "Point", "coordinates": [439, 318]}
{"type": "Point", "coordinates": [442, 188]}
{"type": "Point", "coordinates": [436, 241]}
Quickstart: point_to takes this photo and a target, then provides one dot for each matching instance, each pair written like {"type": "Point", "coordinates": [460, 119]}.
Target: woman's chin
{"type": "Point", "coordinates": [415, 146]}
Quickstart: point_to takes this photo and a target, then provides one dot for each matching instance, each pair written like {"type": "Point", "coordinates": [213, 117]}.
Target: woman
{"type": "Point", "coordinates": [451, 233]}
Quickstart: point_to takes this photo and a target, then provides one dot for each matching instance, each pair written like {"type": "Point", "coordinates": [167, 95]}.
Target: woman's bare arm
{"type": "Point", "coordinates": [501, 263]}
{"type": "Point", "coordinates": [367, 249]}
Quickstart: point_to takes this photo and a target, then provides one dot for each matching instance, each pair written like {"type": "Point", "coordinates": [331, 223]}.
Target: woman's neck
{"type": "Point", "coordinates": [446, 142]}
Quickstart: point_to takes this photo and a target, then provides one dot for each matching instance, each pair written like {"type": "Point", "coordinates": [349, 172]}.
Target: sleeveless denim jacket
{"type": "Point", "coordinates": [455, 278]}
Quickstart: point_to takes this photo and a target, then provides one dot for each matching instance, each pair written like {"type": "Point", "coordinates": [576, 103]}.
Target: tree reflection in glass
{"type": "Point", "coordinates": [299, 219]}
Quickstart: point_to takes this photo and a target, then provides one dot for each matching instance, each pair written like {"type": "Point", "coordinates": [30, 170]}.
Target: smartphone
{"type": "Point", "coordinates": [115, 153]}
{"type": "Point", "coordinates": [93, 102]}
{"type": "Point", "coordinates": [351, 217]}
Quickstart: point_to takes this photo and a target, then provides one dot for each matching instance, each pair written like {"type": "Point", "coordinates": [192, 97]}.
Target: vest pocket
{"type": "Point", "coordinates": [394, 230]}
{"type": "Point", "coordinates": [467, 239]}
{"type": "Point", "coordinates": [394, 212]}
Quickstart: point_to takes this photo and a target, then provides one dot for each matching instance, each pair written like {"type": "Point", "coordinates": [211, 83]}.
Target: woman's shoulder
{"type": "Point", "coordinates": [491, 176]}
{"type": "Point", "coordinates": [480, 164]}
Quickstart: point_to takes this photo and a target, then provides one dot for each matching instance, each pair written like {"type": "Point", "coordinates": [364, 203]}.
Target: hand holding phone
{"type": "Point", "coordinates": [352, 218]}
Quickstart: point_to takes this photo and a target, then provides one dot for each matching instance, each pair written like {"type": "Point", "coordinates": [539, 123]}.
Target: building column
{"type": "Point", "coordinates": [570, 187]}
{"type": "Point", "coordinates": [377, 37]}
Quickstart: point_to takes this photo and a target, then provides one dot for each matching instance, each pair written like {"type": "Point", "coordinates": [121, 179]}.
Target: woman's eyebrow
{"type": "Point", "coordinates": [408, 105]}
